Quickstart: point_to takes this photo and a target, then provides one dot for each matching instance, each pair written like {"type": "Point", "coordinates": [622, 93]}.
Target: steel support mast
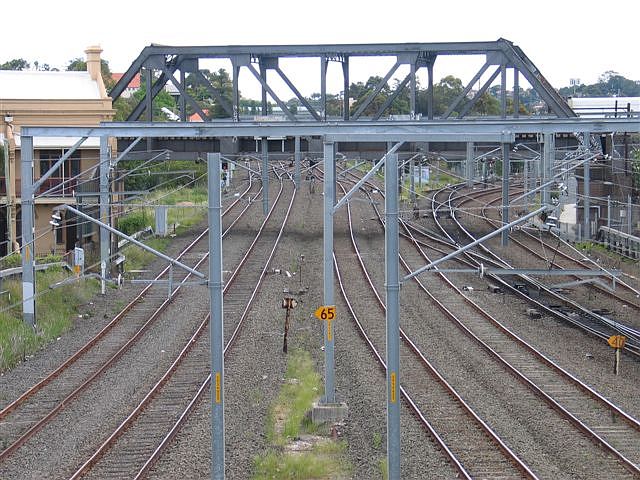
{"type": "Point", "coordinates": [216, 321]}
{"type": "Point", "coordinates": [392, 287]}
{"type": "Point", "coordinates": [329, 195]}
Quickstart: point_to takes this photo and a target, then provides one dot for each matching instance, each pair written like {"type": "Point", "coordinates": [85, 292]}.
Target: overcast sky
{"type": "Point", "coordinates": [564, 39]}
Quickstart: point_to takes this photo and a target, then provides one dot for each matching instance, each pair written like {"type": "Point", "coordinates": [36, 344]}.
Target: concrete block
{"type": "Point", "coordinates": [328, 412]}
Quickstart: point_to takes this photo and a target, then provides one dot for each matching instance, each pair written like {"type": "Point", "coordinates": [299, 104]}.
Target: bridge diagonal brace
{"type": "Point", "coordinates": [364, 179]}
{"type": "Point", "coordinates": [202, 80]}
{"type": "Point", "coordinates": [297, 93]}
{"type": "Point", "coordinates": [466, 90]}
{"type": "Point", "coordinates": [376, 91]}
{"type": "Point", "coordinates": [264, 84]}
{"type": "Point", "coordinates": [185, 95]}
{"type": "Point", "coordinates": [156, 88]}
{"type": "Point", "coordinates": [467, 108]}
{"type": "Point", "coordinates": [393, 96]}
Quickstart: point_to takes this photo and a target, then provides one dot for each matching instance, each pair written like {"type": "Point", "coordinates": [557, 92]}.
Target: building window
{"type": "Point", "coordinates": [69, 168]}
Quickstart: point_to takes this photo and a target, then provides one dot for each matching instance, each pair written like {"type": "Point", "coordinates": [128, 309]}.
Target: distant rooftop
{"type": "Point", "coordinates": [29, 85]}
{"type": "Point", "coordinates": [134, 83]}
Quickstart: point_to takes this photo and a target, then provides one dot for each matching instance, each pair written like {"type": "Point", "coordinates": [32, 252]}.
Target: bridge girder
{"type": "Point", "coordinates": [502, 54]}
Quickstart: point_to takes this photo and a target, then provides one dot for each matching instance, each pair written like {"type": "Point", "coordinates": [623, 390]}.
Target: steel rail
{"type": "Point", "coordinates": [589, 432]}
{"type": "Point", "coordinates": [33, 429]}
{"type": "Point", "coordinates": [485, 428]}
{"type": "Point", "coordinates": [566, 256]}
{"type": "Point", "coordinates": [630, 346]}
{"type": "Point", "coordinates": [615, 410]}
{"type": "Point", "coordinates": [111, 440]}
{"type": "Point", "coordinates": [194, 401]}
{"type": "Point", "coordinates": [117, 318]}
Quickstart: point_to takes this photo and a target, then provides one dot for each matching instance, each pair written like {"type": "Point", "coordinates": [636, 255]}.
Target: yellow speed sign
{"type": "Point", "coordinates": [326, 312]}
{"type": "Point", "coordinates": [616, 341]}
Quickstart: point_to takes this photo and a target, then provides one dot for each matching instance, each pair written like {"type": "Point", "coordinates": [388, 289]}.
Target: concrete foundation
{"type": "Point", "coordinates": [328, 412]}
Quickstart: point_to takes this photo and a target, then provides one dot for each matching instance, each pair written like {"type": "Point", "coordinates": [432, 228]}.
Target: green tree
{"type": "Point", "coordinates": [635, 170]}
{"type": "Point", "coordinates": [360, 91]}
{"type": "Point", "coordinates": [15, 64]}
{"type": "Point", "coordinates": [221, 81]}
{"type": "Point", "coordinates": [124, 106]}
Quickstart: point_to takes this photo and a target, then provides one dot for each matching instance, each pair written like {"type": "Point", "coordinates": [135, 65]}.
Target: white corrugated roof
{"type": "Point", "coordinates": [60, 142]}
{"type": "Point", "coordinates": [27, 85]}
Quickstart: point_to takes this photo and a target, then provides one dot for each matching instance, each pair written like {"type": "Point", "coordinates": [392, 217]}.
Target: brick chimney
{"type": "Point", "coordinates": [94, 67]}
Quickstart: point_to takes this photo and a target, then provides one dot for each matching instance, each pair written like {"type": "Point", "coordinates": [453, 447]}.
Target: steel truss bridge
{"type": "Point", "coordinates": [160, 64]}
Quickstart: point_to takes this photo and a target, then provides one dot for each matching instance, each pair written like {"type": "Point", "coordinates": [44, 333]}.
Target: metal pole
{"type": "Point", "coordinates": [430, 91]}
{"type": "Point", "coordinates": [468, 164]}
{"type": "Point", "coordinates": [547, 158]}
{"type": "Point", "coordinates": [296, 158]}
{"type": "Point", "coordinates": [324, 63]}
{"type": "Point", "coordinates": [586, 229]}
{"type": "Point", "coordinates": [412, 94]}
{"type": "Point", "coordinates": [345, 88]}
{"type": "Point", "coordinates": [412, 180]}
{"type": "Point", "coordinates": [629, 223]}
{"type": "Point", "coordinates": [28, 244]}
{"type": "Point", "coordinates": [265, 175]}
{"type": "Point", "coordinates": [263, 74]}
{"type": "Point", "coordinates": [392, 278]}
{"type": "Point", "coordinates": [506, 167]}
{"type": "Point", "coordinates": [329, 188]}
{"type": "Point", "coordinates": [217, 315]}
{"type": "Point", "coordinates": [503, 90]}
{"type": "Point", "coordinates": [609, 211]}
{"type": "Point", "coordinates": [105, 238]}
{"type": "Point", "coordinates": [516, 93]}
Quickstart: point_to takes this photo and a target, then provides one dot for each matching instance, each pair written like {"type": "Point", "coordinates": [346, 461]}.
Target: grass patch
{"type": "Point", "coordinates": [319, 463]}
{"type": "Point", "coordinates": [185, 215]}
{"type": "Point", "coordinates": [55, 311]}
{"type": "Point", "coordinates": [288, 420]}
{"type": "Point", "coordinates": [137, 258]}
{"type": "Point", "coordinates": [301, 387]}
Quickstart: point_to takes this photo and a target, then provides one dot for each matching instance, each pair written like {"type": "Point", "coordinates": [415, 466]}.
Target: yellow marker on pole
{"type": "Point", "coordinates": [617, 342]}
{"type": "Point", "coordinates": [393, 387]}
{"type": "Point", "coordinates": [326, 313]}
{"type": "Point", "coordinates": [27, 252]}
{"type": "Point", "coordinates": [218, 389]}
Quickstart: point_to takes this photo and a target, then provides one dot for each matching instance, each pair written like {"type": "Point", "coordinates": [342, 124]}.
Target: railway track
{"type": "Point", "coordinates": [30, 412]}
{"type": "Point", "coordinates": [563, 256]}
{"type": "Point", "coordinates": [556, 304]}
{"type": "Point", "coordinates": [602, 421]}
{"type": "Point", "coordinates": [138, 442]}
{"type": "Point", "coordinates": [471, 446]}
